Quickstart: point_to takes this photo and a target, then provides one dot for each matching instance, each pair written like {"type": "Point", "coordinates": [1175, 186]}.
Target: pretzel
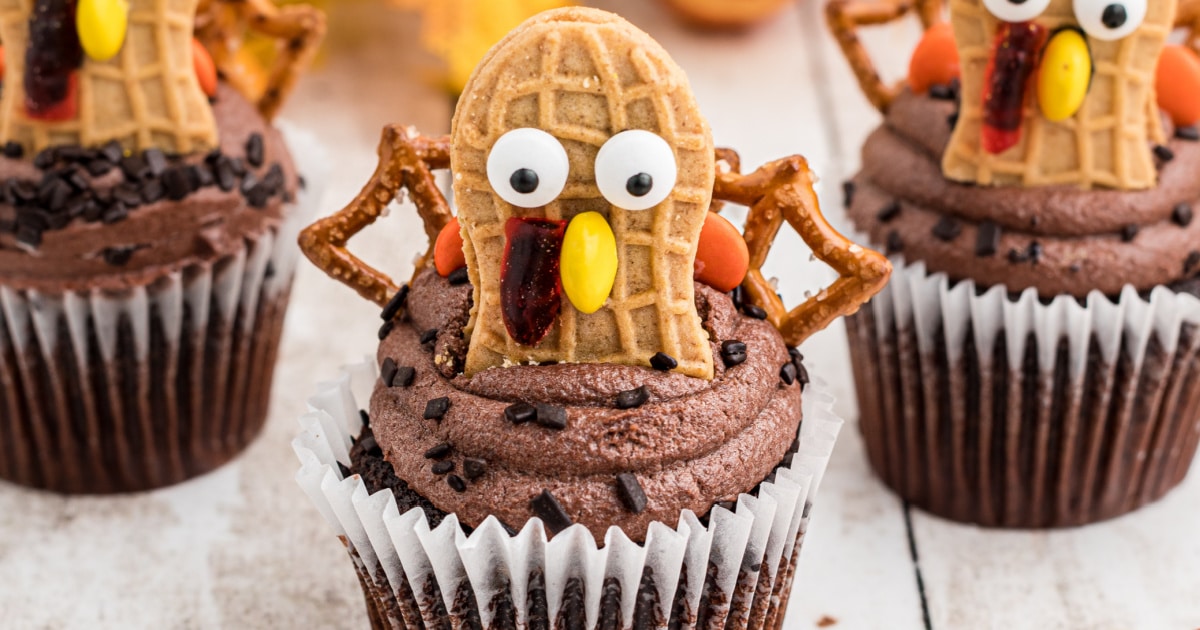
{"type": "Point", "coordinates": [844, 18]}
{"type": "Point", "coordinates": [406, 160]}
{"type": "Point", "coordinates": [222, 24]}
{"type": "Point", "coordinates": [781, 190]}
{"type": "Point", "coordinates": [1188, 18]}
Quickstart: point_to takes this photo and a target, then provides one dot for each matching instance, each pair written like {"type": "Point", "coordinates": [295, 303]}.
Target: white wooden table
{"type": "Point", "coordinates": [242, 548]}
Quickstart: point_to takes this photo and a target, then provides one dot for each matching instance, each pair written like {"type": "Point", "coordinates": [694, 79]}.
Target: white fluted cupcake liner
{"type": "Point", "coordinates": [113, 391]}
{"type": "Point", "coordinates": [736, 570]}
{"type": "Point", "coordinates": [1005, 410]}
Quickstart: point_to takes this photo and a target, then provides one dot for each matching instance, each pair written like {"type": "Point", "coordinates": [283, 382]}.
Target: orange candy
{"type": "Point", "coordinates": [935, 60]}
{"type": "Point", "coordinates": [2, 66]}
{"type": "Point", "coordinates": [721, 258]}
{"type": "Point", "coordinates": [448, 250]}
{"type": "Point", "coordinates": [1178, 84]}
{"type": "Point", "coordinates": [206, 70]}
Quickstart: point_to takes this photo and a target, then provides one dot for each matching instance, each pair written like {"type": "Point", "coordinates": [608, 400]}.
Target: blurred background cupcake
{"type": "Point", "coordinates": [1034, 362]}
{"type": "Point", "coordinates": [146, 237]}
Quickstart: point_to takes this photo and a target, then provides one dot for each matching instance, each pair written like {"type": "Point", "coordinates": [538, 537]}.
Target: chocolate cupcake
{"type": "Point", "coordinates": [587, 353]}
{"type": "Point", "coordinates": [1034, 362]}
{"type": "Point", "coordinates": [145, 262]}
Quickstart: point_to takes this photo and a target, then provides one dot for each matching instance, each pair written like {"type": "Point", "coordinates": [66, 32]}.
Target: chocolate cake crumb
{"type": "Point", "coordinates": [1163, 153]}
{"type": "Point", "coordinates": [547, 508]}
{"type": "Point", "coordinates": [395, 304]}
{"type": "Point", "coordinates": [894, 242]}
{"type": "Point", "coordinates": [848, 189]}
{"type": "Point", "coordinates": [787, 373]}
{"type": "Point", "coordinates": [947, 229]}
{"type": "Point", "coordinates": [801, 374]}
{"type": "Point", "coordinates": [733, 352]}
{"type": "Point", "coordinates": [14, 150]}
{"type": "Point", "coordinates": [520, 413]}
{"type": "Point", "coordinates": [889, 212]}
{"type": "Point", "coordinates": [987, 239]}
{"type": "Point", "coordinates": [952, 120]}
{"type": "Point", "coordinates": [442, 467]}
{"type": "Point", "coordinates": [29, 235]}
{"type": "Point", "coordinates": [439, 451]}
{"type": "Point", "coordinates": [1035, 252]}
{"type": "Point", "coordinates": [404, 376]}
{"type": "Point", "coordinates": [436, 409]}
{"type": "Point", "coordinates": [633, 398]}
{"type": "Point", "coordinates": [176, 183]}
{"type": "Point", "coordinates": [45, 158]}
{"type": "Point", "coordinates": [223, 174]}
{"type": "Point", "coordinates": [751, 310]}
{"type": "Point", "coordinates": [365, 417]}
{"type": "Point", "coordinates": [942, 92]}
{"type": "Point", "coordinates": [387, 371]}
{"type": "Point", "coordinates": [456, 483]}
{"type": "Point", "coordinates": [429, 336]}
{"type": "Point", "coordinates": [662, 362]}
{"type": "Point", "coordinates": [1075, 267]}
{"type": "Point", "coordinates": [474, 468]}
{"type": "Point", "coordinates": [118, 256]}
{"type": "Point", "coordinates": [369, 445]}
{"type": "Point", "coordinates": [1182, 215]}
{"type": "Point", "coordinates": [385, 330]}
{"type": "Point", "coordinates": [1016, 256]}
{"type": "Point", "coordinates": [1129, 232]}
{"type": "Point", "coordinates": [112, 151]}
{"type": "Point", "coordinates": [254, 149]}
{"type": "Point", "coordinates": [631, 493]}
{"type": "Point", "coordinates": [551, 416]}
{"type": "Point", "coordinates": [1187, 133]}
{"type": "Point", "coordinates": [1192, 260]}
{"type": "Point", "coordinates": [458, 276]}
{"type": "Point", "coordinates": [155, 160]}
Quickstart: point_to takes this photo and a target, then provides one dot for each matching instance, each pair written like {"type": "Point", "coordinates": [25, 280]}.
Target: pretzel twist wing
{"type": "Point", "coordinates": [406, 162]}
{"type": "Point", "coordinates": [779, 191]}
{"type": "Point", "coordinates": [1187, 17]}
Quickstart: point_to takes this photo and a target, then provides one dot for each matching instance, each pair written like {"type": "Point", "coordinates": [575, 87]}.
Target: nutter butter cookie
{"type": "Point", "coordinates": [1033, 179]}
{"type": "Point", "coordinates": [612, 358]}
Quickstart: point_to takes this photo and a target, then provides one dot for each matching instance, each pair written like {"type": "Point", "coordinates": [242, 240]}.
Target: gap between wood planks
{"type": "Point", "coordinates": [912, 550]}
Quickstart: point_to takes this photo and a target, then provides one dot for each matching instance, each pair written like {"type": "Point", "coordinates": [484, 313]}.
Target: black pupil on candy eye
{"type": "Point", "coordinates": [639, 185]}
{"type": "Point", "coordinates": [1114, 16]}
{"type": "Point", "coordinates": [1016, 1]}
{"type": "Point", "coordinates": [524, 180]}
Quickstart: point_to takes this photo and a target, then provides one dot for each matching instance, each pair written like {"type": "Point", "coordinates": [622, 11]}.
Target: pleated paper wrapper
{"type": "Point", "coordinates": [104, 391]}
{"type": "Point", "coordinates": [1007, 410]}
{"type": "Point", "coordinates": [734, 572]}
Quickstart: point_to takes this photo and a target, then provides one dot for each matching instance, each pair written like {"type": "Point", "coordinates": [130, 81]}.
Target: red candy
{"type": "Point", "coordinates": [1012, 65]}
{"type": "Point", "coordinates": [530, 286]}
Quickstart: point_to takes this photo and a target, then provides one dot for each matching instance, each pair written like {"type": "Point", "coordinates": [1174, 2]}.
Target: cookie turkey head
{"type": "Point", "coordinates": [1058, 91]}
{"type": "Point", "coordinates": [583, 172]}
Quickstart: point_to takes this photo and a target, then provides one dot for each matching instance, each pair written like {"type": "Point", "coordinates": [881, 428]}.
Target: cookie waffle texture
{"type": "Point", "coordinates": [584, 75]}
{"type": "Point", "coordinates": [1106, 143]}
{"type": "Point", "coordinates": [147, 96]}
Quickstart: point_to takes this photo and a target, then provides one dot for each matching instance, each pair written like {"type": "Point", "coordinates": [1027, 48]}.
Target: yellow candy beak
{"type": "Point", "coordinates": [588, 264]}
{"type": "Point", "coordinates": [1065, 75]}
{"type": "Point", "coordinates": [101, 25]}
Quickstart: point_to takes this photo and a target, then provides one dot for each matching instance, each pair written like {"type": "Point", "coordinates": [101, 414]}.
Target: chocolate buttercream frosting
{"type": "Point", "coordinates": [120, 225]}
{"type": "Point", "coordinates": [688, 442]}
{"type": "Point", "coordinates": [1057, 239]}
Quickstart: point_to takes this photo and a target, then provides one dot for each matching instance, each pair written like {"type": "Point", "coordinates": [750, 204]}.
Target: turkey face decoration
{"type": "Point", "coordinates": [583, 176]}
{"type": "Point", "coordinates": [1058, 91]}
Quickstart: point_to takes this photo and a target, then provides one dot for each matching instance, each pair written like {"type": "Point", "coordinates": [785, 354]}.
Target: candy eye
{"type": "Point", "coordinates": [528, 167]}
{"type": "Point", "coordinates": [635, 170]}
{"type": "Point", "coordinates": [1110, 19]}
{"type": "Point", "coordinates": [1016, 10]}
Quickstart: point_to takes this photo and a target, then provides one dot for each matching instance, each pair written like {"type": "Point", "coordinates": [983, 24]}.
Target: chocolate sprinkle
{"type": "Point", "coordinates": [1192, 260]}
{"type": "Point", "coordinates": [443, 467]}
{"type": "Point", "coordinates": [404, 376]}
{"type": "Point", "coordinates": [156, 162]}
{"type": "Point", "coordinates": [952, 120]}
{"type": "Point", "coordinates": [941, 92]}
{"type": "Point", "coordinates": [458, 276]}
{"type": "Point", "coordinates": [888, 212]}
{"type": "Point", "coordinates": [456, 483]}
{"type": "Point", "coordinates": [1129, 232]}
{"type": "Point", "coordinates": [436, 409]}
{"type": "Point", "coordinates": [439, 451]}
{"type": "Point", "coordinates": [801, 374]}
{"type": "Point", "coordinates": [631, 493]}
{"type": "Point", "coordinates": [1035, 252]}
{"type": "Point", "coordinates": [395, 304]}
{"type": "Point", "coordinates": [429, 336]}
{"type": "Point", "coordinates": [118, 256]}
{"type": "Point", "coordinates": [1182, 215]}
{"type": "Point", "coordinates": [520, 413]}
{"type": "Point", "coordinates": [1163, 153]}
{"type": "Point", "coordinates": [474, 468]}
{"type": "Point", "coordinates": [254, 149]}
{"type": "Point", "coordinates": [369, 444]}
{"type": "Point", "coordinates": [987, 239]}
{"type": "Point", "coordinates": [387, 371]}
{"type": "Point", "coordinates": [662, 362]}
{"type": "Point", "coordinates": [112, 151]}
{"type": "Point", "coordinates": [547, 508]}
{"type": "Point", "coordinates": [788, 373]}
{"type": "Point", "coordinates": [733, 352]}
{"type": "Point", "coordinates": [947, 229]}
{"type": "Point", "coordinates": [848, 189]}
{"type": "Point", "coordinates": [632, 398]}
{"type": "Point", "coordinates": [176, 183]}
{"type": "Point", "coordinates": [894, 242]}
{"type": "Point", "coordinates": [1016, 256]}
{"type": "Point", "coordinates": [756, 312]}
{"type": "Point", "coordinates": [385, 330]}
{"type": "Point", "coordinates": [551, 416]}
{"type": "Point", "coordinates": [13, 150]}
{"type": "Point", "coordinates": [1187, 133]}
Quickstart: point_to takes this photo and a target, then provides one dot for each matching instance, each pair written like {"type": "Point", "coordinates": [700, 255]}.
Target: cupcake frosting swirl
{"type": "Point", "coordinates": [690, 444]}
{"type": "Point", "coordinates": [1058, 240]}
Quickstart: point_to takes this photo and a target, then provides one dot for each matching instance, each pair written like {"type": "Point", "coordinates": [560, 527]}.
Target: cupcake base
{"type": "Point", "coordinates": [1013, 412]}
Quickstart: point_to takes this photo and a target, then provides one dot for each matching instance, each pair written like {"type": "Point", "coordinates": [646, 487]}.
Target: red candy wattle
{"type": "Point", "coordinates": [530, 285]}
{"type": "Point", "coordinates": [1010, 68]}
{"type": "Point", "coordinates": [52, 57]}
